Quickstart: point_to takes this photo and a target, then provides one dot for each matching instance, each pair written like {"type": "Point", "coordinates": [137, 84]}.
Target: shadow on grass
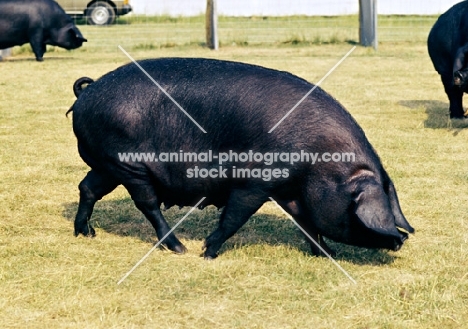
{"type": "Point", "coordinates": [121, 217]}
{"type": "Point", "coordinates": [437, 115]}
{"type": "Point", "coordinates": [352, 42]}
{"type": "Point", "coordinates": [32, 59]}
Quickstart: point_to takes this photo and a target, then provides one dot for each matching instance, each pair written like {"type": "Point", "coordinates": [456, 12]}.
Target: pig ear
{"type": "Point", "coordinates": [400, 219]}
{"type": "Point", "coordinates": [373, 208]}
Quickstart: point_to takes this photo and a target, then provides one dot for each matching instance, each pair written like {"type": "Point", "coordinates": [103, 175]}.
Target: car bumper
{"type": "Point", "coordinates": [124, 10]}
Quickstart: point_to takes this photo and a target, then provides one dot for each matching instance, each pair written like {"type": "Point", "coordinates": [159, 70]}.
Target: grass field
{"type": "Point", "coordinates": [265, 276]}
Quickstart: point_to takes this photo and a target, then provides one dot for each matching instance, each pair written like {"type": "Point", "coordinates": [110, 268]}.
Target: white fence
{"type": "Point", "coordinates": [287, 8]}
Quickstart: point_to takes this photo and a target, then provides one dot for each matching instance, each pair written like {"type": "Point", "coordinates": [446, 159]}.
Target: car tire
{"type": "Point", "coordinates": [100, 13]}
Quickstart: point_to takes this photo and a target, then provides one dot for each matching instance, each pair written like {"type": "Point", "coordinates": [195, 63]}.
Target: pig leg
{"type": "Point", "coordinates": [316, 251]}
{"type": "Point", "coordinates": [37, 44]}
{"type": "Point", "coordinates": [241, 205]}
{"type": "Point", "coordinates": [460, 58]}
{"type": "Point", "coordinates": [92, 188]}
{"type": "Point", "coordinates": [146, 201]}
{"type": "Point", "coordinates": [294, 209]}
{"type": "Point", "coordinates": [455, 96]}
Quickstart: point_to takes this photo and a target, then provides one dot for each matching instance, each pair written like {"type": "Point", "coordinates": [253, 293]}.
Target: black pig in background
{"type": "Point", "coordinates": [39, 22]}
{"type": "Point", "coordinates": [448, 45]}
{"type": "Point", "coordinates": [237, 104]}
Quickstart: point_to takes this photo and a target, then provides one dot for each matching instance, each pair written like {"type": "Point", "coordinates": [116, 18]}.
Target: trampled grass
{"type": "Point", "coordinates": [265, 276]}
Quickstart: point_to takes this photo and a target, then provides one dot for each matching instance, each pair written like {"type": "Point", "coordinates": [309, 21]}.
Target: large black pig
{"type": "Point", "coordinates": [448, 45]}
{"type": "Point", "coordinates": [39, 22]}
{"type": "Point", "coordinates": [237, 104]}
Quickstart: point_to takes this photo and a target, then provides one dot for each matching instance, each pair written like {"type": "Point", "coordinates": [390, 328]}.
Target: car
{"type": "Point", "coordinates": [96, 12]}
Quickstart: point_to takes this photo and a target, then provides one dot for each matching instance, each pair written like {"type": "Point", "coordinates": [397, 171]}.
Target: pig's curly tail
{"type": "Point", "coordinates": [78, 88]}
{"type": "Point", "coordinates": [78, 85]}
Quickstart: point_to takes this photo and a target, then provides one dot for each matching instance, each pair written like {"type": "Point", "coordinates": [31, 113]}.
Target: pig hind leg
{"type": "Point", "coordinates": [92, 188]}
{"type": "Point", "coordinates": [145, 199]}
{"type": "Point", "coordinates": [241, 205]}
{"type": "Point", "coordinates": [455, 95]}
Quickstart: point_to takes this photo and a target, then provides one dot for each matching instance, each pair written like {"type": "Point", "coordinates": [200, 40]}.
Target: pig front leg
{"type": "Point", "coordinates": [242, 204]}
{"type": "Point", "coordinates": [293, 208]}
{"type": "Point", "coordinates": [318, 239]}
{"type": "Point", "coordinates": [457, 83]}
{"type": "Point", "coordinates": [316, 251]}
{"type": "Point", "coordinates": [455, 96]}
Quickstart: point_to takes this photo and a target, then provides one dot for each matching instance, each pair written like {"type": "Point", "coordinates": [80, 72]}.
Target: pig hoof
{"type": "Point", "coordinates": [332, 253]}
{"type": "Point", "coordinates": [175, 245]}
{"type": "Point", "coordinates": [87, 231]}
{"type": "Point", "coordinates": [209, 257]}
{"type": "Point", "coordinates": [321, 254]}
{"type": "Point", "coordinates": [458, 115]}
{"type": "Point", "coordinates": [40, 59]}
{"type": "Point", "coordinates": [178, 249]}
{"type": "Point", "coordinates": [316, 251]}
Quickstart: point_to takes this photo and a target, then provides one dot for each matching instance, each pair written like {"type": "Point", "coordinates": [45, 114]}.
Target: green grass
{"type": "Point", "coordinates": [265, 276]}
{"type": "Point", "coordinates": [160, 31]}
{"type": "Point", "coordinates": [156, 32]}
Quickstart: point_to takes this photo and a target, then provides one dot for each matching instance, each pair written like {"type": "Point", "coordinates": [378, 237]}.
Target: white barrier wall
{"type": "Point", "coordinates": [288, 7]}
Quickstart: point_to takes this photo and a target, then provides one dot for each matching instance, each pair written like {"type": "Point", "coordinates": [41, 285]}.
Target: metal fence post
{"type": "Point", "coordinates": [211, 25]}
{"type": "Point", "coordinates": [368, 23]}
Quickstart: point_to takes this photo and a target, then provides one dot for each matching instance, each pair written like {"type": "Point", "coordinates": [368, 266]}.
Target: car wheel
{"type": "Point", "coordinates": [100, 13]}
